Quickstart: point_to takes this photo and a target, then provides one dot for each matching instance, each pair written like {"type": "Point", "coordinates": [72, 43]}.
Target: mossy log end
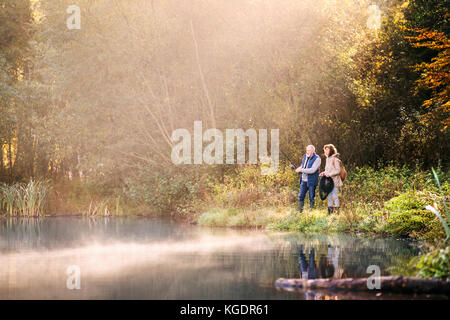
{"type": "Point", "coordinates": [396, 284]}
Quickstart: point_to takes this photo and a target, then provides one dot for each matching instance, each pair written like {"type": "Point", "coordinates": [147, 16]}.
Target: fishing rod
{"type": "Point", "coordinates": [292, 163]}
{"type": "Point", "coordinates": [284, 154]}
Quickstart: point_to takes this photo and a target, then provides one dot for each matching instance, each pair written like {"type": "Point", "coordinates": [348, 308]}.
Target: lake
{"type": "Point", "coordinates": [155, 258]}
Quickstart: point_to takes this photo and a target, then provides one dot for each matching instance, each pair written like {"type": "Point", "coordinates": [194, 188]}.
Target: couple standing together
{"type": "Point", "coordinates": [309, 170]}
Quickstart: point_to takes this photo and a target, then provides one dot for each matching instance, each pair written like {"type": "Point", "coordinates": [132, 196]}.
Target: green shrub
{"type": "Point", "coordinates": [407, 215]}
{"type": "Point", "coordinates": [246, 187]}
{"type": "Point", "coordinates": [435, 264]}
{"type": "Point", "coordinates": [165, 190]}
{"type": "Point", "coordinates": [214, 219]}
{"type": "Point", "coordinates": [382, 184]}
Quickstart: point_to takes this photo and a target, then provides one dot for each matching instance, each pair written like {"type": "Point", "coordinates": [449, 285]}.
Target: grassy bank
{"type": "Point", "coordinates": [388, 201]}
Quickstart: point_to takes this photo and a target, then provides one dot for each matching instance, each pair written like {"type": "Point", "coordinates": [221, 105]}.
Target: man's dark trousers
{"type": "Point", "coordinates": [301, 196]}
{"type": "Point", "coordinates": [311, 268]}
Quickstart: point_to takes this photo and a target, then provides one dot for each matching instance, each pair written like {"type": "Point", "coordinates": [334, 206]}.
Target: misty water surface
{"type": "Point", "coordinates": [148, 258]}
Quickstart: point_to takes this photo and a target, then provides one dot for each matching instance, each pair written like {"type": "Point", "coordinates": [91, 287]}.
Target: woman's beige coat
{"type": "Point", "coordinates": [333, 169]}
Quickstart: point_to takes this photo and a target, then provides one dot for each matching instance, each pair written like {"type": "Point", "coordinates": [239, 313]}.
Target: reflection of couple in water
{"type": "Point", "coordinates": [328, 265]}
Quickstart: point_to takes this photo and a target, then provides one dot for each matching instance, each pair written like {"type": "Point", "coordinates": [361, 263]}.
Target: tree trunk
{"type": "Point", "coordinates": [389, 284]}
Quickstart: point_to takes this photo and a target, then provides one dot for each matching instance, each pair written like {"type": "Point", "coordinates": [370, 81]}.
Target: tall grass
{"type": "Point", "coordinates": [24, 199]}
{"type": "Point", "coordinates": [445, 223]}
{"type": "Point", "coordinates": [104, 207]}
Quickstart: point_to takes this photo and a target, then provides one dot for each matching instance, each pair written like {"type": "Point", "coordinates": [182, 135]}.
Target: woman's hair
{"type": "Point", "coordinates": [332, 148]}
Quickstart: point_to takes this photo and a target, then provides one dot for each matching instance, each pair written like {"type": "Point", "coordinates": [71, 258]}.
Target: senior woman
{"type": "Point", "coordinates": [333, 167]}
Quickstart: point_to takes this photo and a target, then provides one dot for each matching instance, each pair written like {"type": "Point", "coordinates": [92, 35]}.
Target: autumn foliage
{"type": "Point", "coordinates": [435, 75]}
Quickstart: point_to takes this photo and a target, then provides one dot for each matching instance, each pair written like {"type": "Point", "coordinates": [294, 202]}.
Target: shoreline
{"type": "Point", "coordinates": [193, 219]}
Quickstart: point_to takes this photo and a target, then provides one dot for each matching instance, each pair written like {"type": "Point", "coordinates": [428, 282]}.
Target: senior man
{"type": "Point", "coordinates": [309, 170]}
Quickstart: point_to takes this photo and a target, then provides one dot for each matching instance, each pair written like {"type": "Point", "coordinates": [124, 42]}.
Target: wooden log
{"type": "Point", "coordinates": [396, 284]}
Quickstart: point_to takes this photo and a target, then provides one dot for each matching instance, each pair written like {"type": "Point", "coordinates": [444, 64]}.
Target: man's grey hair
{"type": "Point", "coordinates": [311, 147]}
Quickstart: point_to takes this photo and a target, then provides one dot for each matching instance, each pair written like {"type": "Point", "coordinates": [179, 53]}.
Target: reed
{"type": "Point", "coordinates": [8, 195]}
{"type": "Point", "coordinates": [100, 208]}
{"type": "Point", "coordinates": [20, 199]}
